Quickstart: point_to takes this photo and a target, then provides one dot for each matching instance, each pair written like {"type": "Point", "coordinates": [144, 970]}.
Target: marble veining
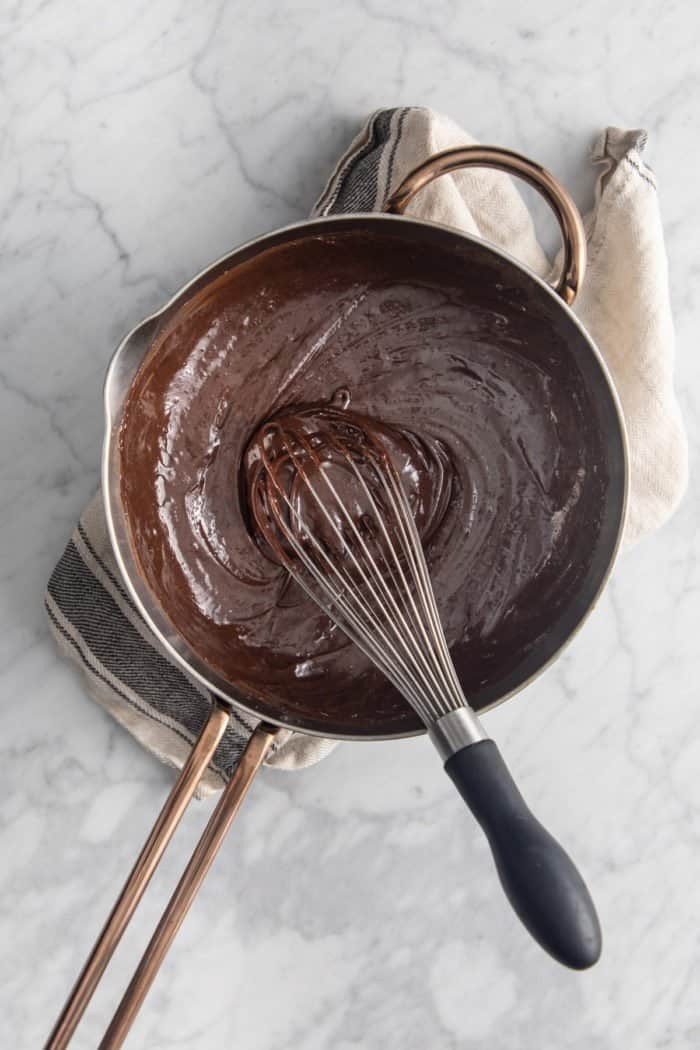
{"type": "Point", "coordinates": [354, 904]}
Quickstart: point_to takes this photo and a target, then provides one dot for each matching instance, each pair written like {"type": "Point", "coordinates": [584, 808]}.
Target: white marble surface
{"type": "Point", "coordinates": [354, 905]}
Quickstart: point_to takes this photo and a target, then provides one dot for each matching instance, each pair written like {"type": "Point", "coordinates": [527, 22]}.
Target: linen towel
{"type": "Point", "coordinates": [624, 304]}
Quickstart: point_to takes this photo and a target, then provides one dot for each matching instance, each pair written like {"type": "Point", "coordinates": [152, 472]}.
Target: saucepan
{"type": "Point", "coordinates": [521, 291]}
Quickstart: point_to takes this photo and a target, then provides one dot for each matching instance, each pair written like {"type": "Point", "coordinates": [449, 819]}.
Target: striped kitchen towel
{"type": "Point", "coordinates": [624, 304]}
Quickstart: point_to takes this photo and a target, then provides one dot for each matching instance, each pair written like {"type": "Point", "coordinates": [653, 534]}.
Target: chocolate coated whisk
{"type": "Point", "coordinates": [329, 502]}
{"type": "Point", "coordinates": [371, 578]}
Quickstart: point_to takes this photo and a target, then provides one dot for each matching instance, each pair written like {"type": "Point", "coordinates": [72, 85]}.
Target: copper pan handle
{"type": "Point", "coordinates": [135, 886]}
{"type": "Point", "coordinates": [179, 904]}
{"type": "Point", "coordinates": [539, 178]}
{"type": "Point", "coordinates": [139, 878]}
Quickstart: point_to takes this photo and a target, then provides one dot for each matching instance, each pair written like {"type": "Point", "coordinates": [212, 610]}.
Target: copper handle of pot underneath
{"type": "Point", "coordinates": [568, 216]}
{"type": "Point", "coordinates": [194, 874]}
{"type": "Point", "coordinates": [135, 886]}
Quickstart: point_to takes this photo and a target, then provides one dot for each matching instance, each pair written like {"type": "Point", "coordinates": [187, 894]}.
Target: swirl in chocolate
{"type": "Point", "coordinates": [490, 431]}
{"type": "Point", "coordinates": [309, 478]}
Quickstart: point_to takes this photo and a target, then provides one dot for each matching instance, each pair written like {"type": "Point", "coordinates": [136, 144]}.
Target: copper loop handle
{"type": "Point", "coordinates": [568, 216]}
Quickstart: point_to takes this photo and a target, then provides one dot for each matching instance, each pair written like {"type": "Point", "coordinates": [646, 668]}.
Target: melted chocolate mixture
{"type": "Point", "coordinates": [488, 421]}
{"type": "Point", "coordinates": [311, 473]}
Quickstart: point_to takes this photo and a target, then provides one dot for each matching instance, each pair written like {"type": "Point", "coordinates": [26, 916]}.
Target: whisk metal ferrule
{"type": "Point", "coordinates": [456, 730]}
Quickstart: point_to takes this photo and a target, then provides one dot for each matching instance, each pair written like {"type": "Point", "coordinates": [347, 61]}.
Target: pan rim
{"type": "Point", "coordinates": [117, 384]}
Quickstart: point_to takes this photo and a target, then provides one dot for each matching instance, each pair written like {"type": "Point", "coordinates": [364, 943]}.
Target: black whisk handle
{"type": "Point", "coordinates": [539, 878]}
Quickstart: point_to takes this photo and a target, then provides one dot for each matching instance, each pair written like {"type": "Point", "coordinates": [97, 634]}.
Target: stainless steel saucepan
{"type": "Point", "coordinates": [567, 337]}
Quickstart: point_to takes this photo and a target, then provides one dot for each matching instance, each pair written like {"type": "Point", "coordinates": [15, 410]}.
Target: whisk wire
{"type": "Point", "coordinates": [409, 604]}
{"type": "Point", "coordinates": [413, 552]}
{"type": "Point", "coordinates": [417, 658]}
{"type": "Point", "coordinates": [381, 598]}
{"type": "Point", "coordinates": [358, 621]}
{"type": "Point", "coordinates": [387, 659]}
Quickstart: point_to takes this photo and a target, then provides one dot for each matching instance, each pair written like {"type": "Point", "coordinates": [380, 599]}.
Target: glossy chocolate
{"type": "Point", "coordinates": [309, 477]}
{"type": "Point", "coordinates": [489, 410]}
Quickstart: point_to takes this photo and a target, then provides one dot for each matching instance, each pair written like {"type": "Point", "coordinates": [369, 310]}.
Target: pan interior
{"type": "Point", "coordinates": [441, 313]}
